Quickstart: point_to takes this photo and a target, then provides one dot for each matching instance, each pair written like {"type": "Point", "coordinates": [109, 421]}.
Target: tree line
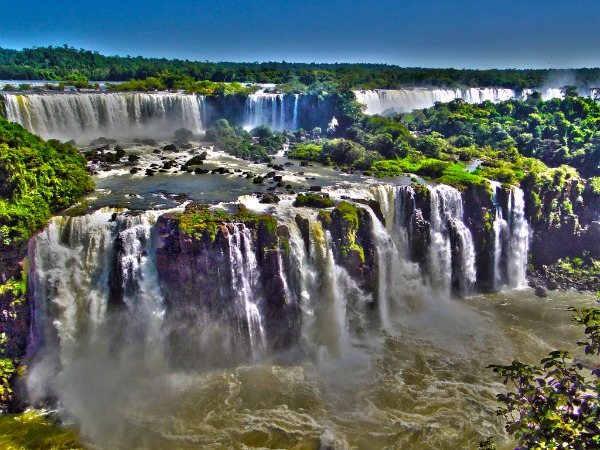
{"type": "Point", "coordinates": [69, 63]}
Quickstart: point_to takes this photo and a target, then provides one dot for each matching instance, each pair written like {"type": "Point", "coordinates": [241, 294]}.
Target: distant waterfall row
{"type": "Point", "coordinates": [112, 115]}
{"type": "Point", "coordinates": [243, 296]}
{"type": "Point", "coordinates": [388, 101]}
{"type": "Point", "coordinates": [86, 116]}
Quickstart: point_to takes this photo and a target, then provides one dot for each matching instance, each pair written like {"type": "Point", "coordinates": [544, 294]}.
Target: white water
{"type": "Point", "coordinates": [393, 101]}
{"type": "Point", "coordinates": [519, 240]}
{"type": "Point", "coordinates": [447, 213]}
{"type": "Point", "coordinates": [244, 274]}
{"type": "Point", "coordinates": [269, 109]}
{"type": "Point", "coordinates": [511, 241]}
{"type": "Point", "coordinates": [102, 366]}
{"type": "Point", "coordinates": [500, 235]}
{"type": "Point", "coordinates": [84, 117]}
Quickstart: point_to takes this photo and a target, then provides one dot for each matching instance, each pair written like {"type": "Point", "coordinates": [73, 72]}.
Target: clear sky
{"type": "Point", "coordinates": [412, 33]}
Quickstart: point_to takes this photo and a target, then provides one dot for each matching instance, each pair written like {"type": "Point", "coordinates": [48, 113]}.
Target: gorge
{"type": "Point", "coordinates": [185, 310]}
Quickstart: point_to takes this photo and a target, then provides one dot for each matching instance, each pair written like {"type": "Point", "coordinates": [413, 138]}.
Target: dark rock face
{"type": "Point", "coordinates": [15, 319]}
{"type": "Point", "coordinates": [564, 213]}
{"type": "Point", "coordinates": [419, 237]}
{"type": "Point", "coordinates": [196, 277]}
{"type": "Point", "coordinates": [479, 213]}
{"type": "Point", "coordinates": [353, 244]}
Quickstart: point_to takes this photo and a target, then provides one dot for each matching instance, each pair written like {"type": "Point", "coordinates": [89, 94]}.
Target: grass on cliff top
{"type": "Point", "coordinates": [446, 172]}
{"type": "Point", "coordinates": [200, 221]}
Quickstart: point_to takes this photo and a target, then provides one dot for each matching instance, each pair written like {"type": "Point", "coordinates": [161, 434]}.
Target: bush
{"type": "Point", "coordinates": [313, 201]}
{"type": "Point", "coordinates": [556, 405]}
{"type": "Point", "coordinates": [37, 178]}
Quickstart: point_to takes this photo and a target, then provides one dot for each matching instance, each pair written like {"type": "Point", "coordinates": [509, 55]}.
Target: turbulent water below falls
{"type": "Point", "coordinates": [421, 385]}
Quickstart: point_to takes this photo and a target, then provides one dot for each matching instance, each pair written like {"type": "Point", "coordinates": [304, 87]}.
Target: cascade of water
{"type": "Point", "coordinates": [330, 300]}
{"type": "Point", "coordinates": [500, 235]}
{"type": "Point", "coordinates": [295, 116]}
{"type": "Point", "coordinates": [447, 216]}
{"type": "Point", "coordinates": [281, 125]}
{"type": "Point", "coordinates": [244, 275]}
{"type": "Point", "coordinates": [518, 241]}
{"type": "Point", "coordinates": [265, 109]}
{"type": "Point", "coordinates": [81, 268]}
{"type": "Point", "coordinates": [383, 101]}
{"type": "Point", "coordinates": [330, 312]}
{"type": "Point", "coordinates": [90, 115]}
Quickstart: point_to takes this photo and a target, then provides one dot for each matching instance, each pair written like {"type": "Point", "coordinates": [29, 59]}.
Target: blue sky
{"type": "Point", "coordinates": [427, 33]}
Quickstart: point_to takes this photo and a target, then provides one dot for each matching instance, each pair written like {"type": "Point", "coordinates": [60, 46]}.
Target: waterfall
{"type": "Point", "coordinates": [82, 268]}
{"type": "Point", "coordinates": [388, 101]}
{"type": "Point", "coordinates": [324, 302]}
{"type": "Point", "coordinates": [511, 239]}
{"type": "Point", "coordinates": [98, 275]}
{"type": "Point", "coordinates": [295, 116]}
{"type": "Point", "coordinates": [500, 235]}
{"type": "Point", "coordinates": [265, 109]}
{"type": "Point", "coordinates": [86, 116]}
{"type": "Point", "coordinates": [244, 275]}
{"type": "Point", "coordinates": [447, 220]}
{"type": "Point", "coordinates": [518, 241]}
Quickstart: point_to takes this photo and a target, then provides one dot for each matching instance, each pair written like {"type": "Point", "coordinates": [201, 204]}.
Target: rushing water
{"type": "Point", "coordinates": [511, 240]}
{"type": "Point", "coordinates": [88, 116]}
{"type": "Point", "coordinates": [387, 101]}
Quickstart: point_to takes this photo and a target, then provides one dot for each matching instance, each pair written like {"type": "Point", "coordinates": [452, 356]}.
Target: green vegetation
{"type": "Point", "coordinates": [555, 132]}
{"type": "Point", "coordinates": [258, 145]}
{"type": "Point", "coordinates": [446, 172]}
{"type": "Point", "coordinates": [68, 63]}
{"type": "Point", "coordinates": [197, 160]}
{"type": "Point", "coordinates": [202, 223]}
{"type": "Point", "coordinates": [557, 404]}
{"type": "Point", "coordinates": [175, 82]}
{"type": "Point", "coordinates": [309, 151]}
{"type": "Point", "coordinates": [33, 429]}
{"type": "Point", "coordinates": [37, 178]}
{"type": "Point", "coordinates": [313, 201]}
{"type": "Point", "coordinates": [574, 273]}
{"type": "Point", "coordinates": [348, 216]}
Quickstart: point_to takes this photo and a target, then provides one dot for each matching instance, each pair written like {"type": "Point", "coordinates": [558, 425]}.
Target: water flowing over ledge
{"type": "Point", "coordinates": [90, 115]}
{"type": "Point", "coordinates": [394, 101]}
{"type": "Point", "coordinates": [86, 116]}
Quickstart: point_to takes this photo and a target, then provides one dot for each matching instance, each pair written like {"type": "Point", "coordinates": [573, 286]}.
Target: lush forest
{"type": "Point", "coordinates": [37, 179]}
{"type": "Point", "coordinates": [68, 63]}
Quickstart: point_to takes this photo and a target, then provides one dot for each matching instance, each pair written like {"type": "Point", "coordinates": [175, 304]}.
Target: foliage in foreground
{"type": "Point", "coordinates": [37, 178]}
{"type": "Point", "coordinates": [556, 405]}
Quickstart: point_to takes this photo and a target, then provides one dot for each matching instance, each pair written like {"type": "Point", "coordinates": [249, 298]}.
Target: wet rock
{"type": "Point", "coordinates": [540, 291]}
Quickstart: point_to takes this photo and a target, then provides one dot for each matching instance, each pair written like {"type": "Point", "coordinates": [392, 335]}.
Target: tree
{"type": "Point", "coordinates": [556, 405]}
{"type": "Point", "coordinates": [569, 91]}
